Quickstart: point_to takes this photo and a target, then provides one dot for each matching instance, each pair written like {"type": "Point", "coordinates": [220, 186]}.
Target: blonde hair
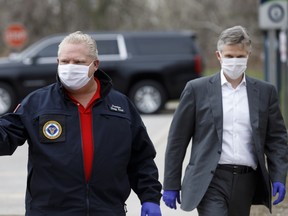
{"type": "Point", "coordinates": [80, 38]}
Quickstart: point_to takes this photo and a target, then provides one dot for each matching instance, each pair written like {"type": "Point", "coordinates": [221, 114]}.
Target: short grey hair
{"type": "Point", "coordinates": [234, 35]}
{"type": "Point", "coordinates": [80, 38]}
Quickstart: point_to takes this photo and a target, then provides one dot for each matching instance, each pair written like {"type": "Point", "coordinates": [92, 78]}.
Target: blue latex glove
{"type": "Point", "coordinates": [279, 188]}
{"type": "Point", "coordinates": [150, 209]}
{"type": "Point", "coordinates": [170, 197]}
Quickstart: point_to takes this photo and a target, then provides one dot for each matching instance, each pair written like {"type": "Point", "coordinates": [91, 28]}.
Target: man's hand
{"type": "Point", "coordinates": [170, 197]}
{"type": "Point", "coordinates": [150, 209]}
{"type": "Point", "coordinates": [279, 188]}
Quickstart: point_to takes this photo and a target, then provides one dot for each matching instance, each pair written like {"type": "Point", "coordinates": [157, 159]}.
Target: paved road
{"type": "Point", "coordinates": [13, 172]}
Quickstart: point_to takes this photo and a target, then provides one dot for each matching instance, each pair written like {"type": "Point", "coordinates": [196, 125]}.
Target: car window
{"type": "Point", "coordinates": [49, 51]}
{"type": "Point", "coordinates": [164, 46]}
{"type": "Point", "coordinates": [107, 47]}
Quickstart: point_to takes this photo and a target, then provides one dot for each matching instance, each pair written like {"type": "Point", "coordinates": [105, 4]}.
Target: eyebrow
{"type": "Point", "coordinates": [235, 56]}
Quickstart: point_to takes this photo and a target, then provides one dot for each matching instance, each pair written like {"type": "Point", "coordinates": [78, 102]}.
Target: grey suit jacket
{"type": "Point", "coordinates": [199, 117]}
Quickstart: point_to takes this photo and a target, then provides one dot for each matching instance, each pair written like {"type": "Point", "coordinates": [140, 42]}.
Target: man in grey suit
{"type": "Point", "coordinates": [237, 129]}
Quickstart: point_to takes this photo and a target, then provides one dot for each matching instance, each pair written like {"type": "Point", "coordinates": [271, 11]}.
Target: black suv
{"type": "Point", "coordinates": [149, 67]}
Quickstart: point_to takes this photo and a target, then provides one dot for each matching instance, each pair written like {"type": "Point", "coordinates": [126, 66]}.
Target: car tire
{"type": "Point", "coordinates": [148, 96]}
{"type": "Point", "coordinates": [7, 98]}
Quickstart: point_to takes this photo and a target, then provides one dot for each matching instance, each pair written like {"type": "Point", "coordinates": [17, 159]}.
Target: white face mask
{"type": "Point", "coordinates": [74, 76]}
{"type": "Point", "coordinates": [234, 67]}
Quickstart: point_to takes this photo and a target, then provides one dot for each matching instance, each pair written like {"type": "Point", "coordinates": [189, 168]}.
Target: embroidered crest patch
{"type": "Point", "coordinates": [52, 130]}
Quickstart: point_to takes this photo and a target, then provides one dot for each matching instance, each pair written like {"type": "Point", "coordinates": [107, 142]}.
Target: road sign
{"type": "Point", "coordinates": [15, 35]}
{"type": "Point", "coordinates": [273, 15]}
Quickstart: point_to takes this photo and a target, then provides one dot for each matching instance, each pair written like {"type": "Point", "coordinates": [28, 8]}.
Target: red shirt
{"type": "Point", "coordinates": [86, 130]}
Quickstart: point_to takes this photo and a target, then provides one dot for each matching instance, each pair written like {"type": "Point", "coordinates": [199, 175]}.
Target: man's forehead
{"type": "Point", "coordinates": [234, 49]}
{"type": "Point", "coordinates": [73, 58]}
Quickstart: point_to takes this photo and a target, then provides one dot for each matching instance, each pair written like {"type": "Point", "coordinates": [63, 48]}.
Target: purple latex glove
{"type": "Point", "coordinates": [150, 209]}
{"type": "Point", "coordinates": [279, 188]}
{"type": "Point", "coordinates": [170, 197]}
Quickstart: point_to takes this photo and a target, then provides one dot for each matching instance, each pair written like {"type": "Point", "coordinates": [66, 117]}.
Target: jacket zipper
{"type": "Point", "coordinates": [87, 199]}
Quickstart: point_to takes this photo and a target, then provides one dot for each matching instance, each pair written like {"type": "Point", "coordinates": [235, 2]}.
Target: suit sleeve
{"type": "Point", "coordinates": [276, 148]}
{"type": "Point", "coordinates": [180, 134]}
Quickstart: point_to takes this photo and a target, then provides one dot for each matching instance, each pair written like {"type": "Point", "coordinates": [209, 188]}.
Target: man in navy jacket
{"type": "Point", "coordinates": [87, 144]}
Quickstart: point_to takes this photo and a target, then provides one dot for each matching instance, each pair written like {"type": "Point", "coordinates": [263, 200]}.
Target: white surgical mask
{"type": "Point", "coordinates": [234, 67]}
{"type": "Point", "coordinates": [74, 76]}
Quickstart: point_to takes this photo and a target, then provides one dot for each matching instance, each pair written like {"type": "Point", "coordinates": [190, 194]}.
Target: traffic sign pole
{"type": "Point", "coordinates": [271, 46]}
{"type": "Point", "coordinates": [283, 40]}
{"type": "Point", "coordinates": [273, 18]}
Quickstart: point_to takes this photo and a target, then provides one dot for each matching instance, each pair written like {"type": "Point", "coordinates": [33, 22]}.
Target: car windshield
{"type": "Point", "coordinates": [35, 49]}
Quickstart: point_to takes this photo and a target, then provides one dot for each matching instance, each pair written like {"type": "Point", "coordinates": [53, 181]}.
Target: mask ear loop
{"type": "Point", "coordinates": [220, 54]}
{"type": "Point", "coordinates": [91, 63]}
{"type": "Point", "coordinates": [89, 70]}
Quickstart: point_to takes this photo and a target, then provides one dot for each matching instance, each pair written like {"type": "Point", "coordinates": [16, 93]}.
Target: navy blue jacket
{"type": "Point", "coordinates": [56, 185]}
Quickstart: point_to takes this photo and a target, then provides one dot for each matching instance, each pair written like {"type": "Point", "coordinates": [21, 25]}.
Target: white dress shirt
{"type": "Point", "coordinates": [237, 145]}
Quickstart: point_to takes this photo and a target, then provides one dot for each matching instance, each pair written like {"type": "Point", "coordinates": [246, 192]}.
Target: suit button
{"type": "Point", "coordinates": [212, 172]}
{"type": "Point", "coordinates": [219, 151]}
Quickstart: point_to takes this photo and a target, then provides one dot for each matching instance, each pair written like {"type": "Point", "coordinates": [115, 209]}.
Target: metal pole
{"type": "Point", "coordinates": [284, 78]}
{"type": "Point", "coordinates": [285, 111]}
{"type": "Point", "coordinates": [272, 46]}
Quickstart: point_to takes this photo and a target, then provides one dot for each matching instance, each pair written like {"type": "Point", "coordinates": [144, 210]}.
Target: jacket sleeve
{"type": "Point", "coordinates": [12, 133]}
{"type": "Point", "coordinates": [142, 170]}
{"type": "Point", "coordinates": [276, 148]}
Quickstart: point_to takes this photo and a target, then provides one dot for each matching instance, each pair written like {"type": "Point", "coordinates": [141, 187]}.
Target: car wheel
{"type": "Point", "coordinates": [148, 96]}
{"type": "Point", "coordinates": [7, 99]}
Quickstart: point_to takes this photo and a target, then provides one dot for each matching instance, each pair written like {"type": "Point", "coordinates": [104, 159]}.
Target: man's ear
{"type": "Point", "coordinates": [96, 64]}
{"type": "Point", "coordinates": [218, 55]}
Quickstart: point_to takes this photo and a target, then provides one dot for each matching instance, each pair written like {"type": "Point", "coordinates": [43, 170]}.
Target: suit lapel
{"type": "Point", "coordinates": [253, 101]}
{"type": "Point", "coordinates": [215, 99]}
